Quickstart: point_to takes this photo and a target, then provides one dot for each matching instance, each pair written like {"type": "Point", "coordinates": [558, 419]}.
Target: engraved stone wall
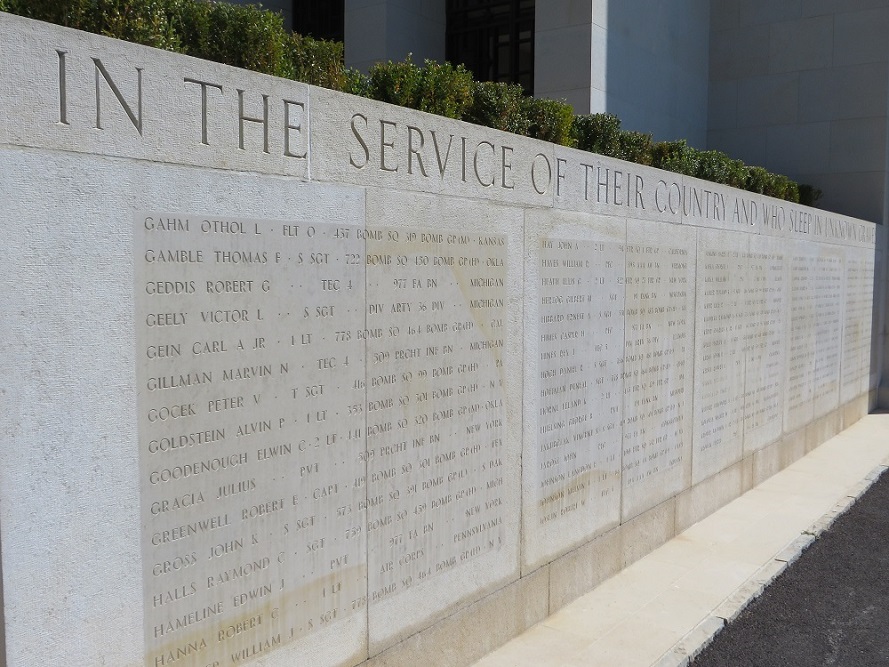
{"type": "Point", "coordinates": [303, 378]}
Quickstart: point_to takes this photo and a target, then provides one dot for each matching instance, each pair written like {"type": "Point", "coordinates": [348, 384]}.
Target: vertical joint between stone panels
{"type": "Point", "coordinates": [525, 361]}
{"type": "Point", "coordinates": [363, 438]}
{"type": "Point", "coordinates": [2, 608]}
{"type": "Point", "coordinates": [623, 393]}
{"type": "Point", "coordinates": [309, 122]}
{"type": "Point", "coordinates": [885, 220]}
{"type": "Point", "coordinates": [692, 373]}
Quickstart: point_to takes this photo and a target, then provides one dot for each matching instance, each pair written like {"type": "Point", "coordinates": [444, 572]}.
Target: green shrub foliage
{"type": "Point", "coordinates": [720, 168]}
{"type": "Point", "coordinates": [549, 120]}
{"type": "Point", "coordinates": [500, 106]}
{"type": "Point", "coordinates": [600, 133]}
{"type": "Point", "coordinates": [757, 180]}
{"type": "Point", "coordinates": [675, 156]}
{"type": "Point", "coordinates": [438, 88]}
{"type": "Point", "coordinates": [635, 147]}
{"type": "Point", "coordinates": [239, 35]}
{"type": "Point", "coordinates": [597, 133]}
{"type": "Point", "coordinates": [250, 37]}
{"type": "Point", "coordinates": [808, 194]}
{"type": "Point", "coordinates": [317, 61]}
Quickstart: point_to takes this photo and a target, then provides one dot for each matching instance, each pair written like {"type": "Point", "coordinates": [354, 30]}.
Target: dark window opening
{"type": "Point", "coordinates": [321, 20]}
{"type": "Point", "coordinates": [493, 38]}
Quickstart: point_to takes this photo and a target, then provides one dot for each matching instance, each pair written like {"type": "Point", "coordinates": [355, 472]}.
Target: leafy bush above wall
{"type": "Point", "coordinates": [436, 88]}
{"type": "Point", "coordinates": [255, 39]}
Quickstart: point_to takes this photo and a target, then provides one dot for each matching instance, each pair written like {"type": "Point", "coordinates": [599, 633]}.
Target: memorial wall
{"type": "Point", "coordinates": [294, 377]}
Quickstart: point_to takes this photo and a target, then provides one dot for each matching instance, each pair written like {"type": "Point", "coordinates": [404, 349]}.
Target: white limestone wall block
{"type": "Point", "coordinates": [721, 315]}
{"type": "Point", "coordinates": [85, 93]}
{"type": "Point", "coordinates": [853, 91]}
{"type": "Point", "coordinates": [880, 341]}
{"type": "Point", "coordinates": [72, 336]}
{"type": "Point", "coordinates": [658, 364]}
{"type": "Point", "coordinates": [801, 339]}
{"type": "Point", "coordinates": [831, 292]}
{"type": "Point", "coordinates": [251, 397]}
{"type": "Point", "coordinates": [758, 12]}
{"type": "Point", "coordinates": [854, 145]}
{"type": "Point", "coordinates": [445, 286]}
{"type": "Point", "coordinates": [764, 342]}
{"type": "Point", "coordinates": [802, 149]}
{"type": "Point", "coordinates": [857, 34]}
{"type": "Point", "coordinates": [574, 349]}
{"type": "Point", "coordinates": [804, 44]}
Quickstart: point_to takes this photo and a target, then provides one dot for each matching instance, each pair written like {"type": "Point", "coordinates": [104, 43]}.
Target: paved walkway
{"type": "Point", "coordinates": [662, 609]}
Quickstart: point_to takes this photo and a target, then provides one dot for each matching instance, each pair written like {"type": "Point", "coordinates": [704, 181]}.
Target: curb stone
{"type": "Point", "coordinates": [683, 652]}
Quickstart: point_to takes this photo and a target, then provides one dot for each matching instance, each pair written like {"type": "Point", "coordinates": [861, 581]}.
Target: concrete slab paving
{"type": "Point", "coordinates": [661, 610]}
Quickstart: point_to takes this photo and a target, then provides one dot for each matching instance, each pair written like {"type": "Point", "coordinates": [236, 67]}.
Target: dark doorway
{"type": "Point", "coordinates": [493, 38]}
{"type": "Point", "coordinates": [321, 20]}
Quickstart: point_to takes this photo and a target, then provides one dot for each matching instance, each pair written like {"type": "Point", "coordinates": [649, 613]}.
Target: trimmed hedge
{"type": "Point", "coordinates": [238, 35]}
{"type": "Point", "coordinates": [500, 106]}
{"type": "Point", "coordinates": [601, 133]}
{"type": "Point", "coordinates": [720, 168]}
{"type": "Point", "coordinates": [436, 88]}
{"type": "Point", "coordinates": [252, 38]}
{"type": "Point", "coordinates": [550, 120]}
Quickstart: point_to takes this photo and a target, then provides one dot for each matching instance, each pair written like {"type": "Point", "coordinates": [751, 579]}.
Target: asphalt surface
{"type": "Point", "coordinates": [830, 607]}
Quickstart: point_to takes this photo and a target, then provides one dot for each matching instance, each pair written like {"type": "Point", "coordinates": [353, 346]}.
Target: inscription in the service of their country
{"type": "Point", "coordinates": [309, 394]}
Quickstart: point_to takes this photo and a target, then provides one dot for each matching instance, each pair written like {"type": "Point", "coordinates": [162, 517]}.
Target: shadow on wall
{"type": "Point", "coordinates": [656, 65]}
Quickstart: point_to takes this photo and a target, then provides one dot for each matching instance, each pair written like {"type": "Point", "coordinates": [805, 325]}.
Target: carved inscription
{"type": "Point", "coordinates": [829, 290]}
{"type": "Point", "coordinates": [801, 339]}
{"type": "Point", "coordinates": [657, 362]}
{"type": "Point", "coordinates": [579, 368]}
{"type": "Point", "coordinates": [859, 278]}
{"type": "Point", "coordinates": [722, 272]}
{"type": "Point", "coordinates": [763, 343]}
{"type": "Point", "coordinates": [436, 309]}
{"type": "Point", "coordinates": [249, 361]}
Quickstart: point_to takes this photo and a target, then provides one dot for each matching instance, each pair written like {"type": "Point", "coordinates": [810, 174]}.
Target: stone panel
{"type": "Point", "coordinates": [765, 300]}
{"type": "Point", "coordinates": [855, 145]}
{"type": "Point", "coordinates": [721, 313]}
{"type": "Point", "coordinates": [250, 388]}
{"type": "Point", "coordinates": [804, 44]}
{"type": "Point", "coordinates": [856, 342]}
{"type": "Point", "coordinates": [575, 336]}
{"type": "Point", "coordinates": [447, 533]}
{"type": "Point", "coordinates": [658, 364]}
{"type": "Point", "coordinates": [830, 292]}
{"type": "Point", "coordinates": [82, 263]}
{"type": "Point", "coordinates": [801, 339]}
{"type": "Point", "coordinates": [436, 408]}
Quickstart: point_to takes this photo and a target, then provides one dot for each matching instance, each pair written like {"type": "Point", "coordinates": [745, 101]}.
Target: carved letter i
{"type": "Point", "coordinates": [63, 93]}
